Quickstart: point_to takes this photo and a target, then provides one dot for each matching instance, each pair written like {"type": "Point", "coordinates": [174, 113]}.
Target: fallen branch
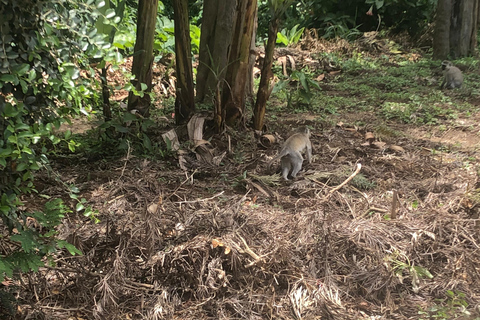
{"type": "Point", "coordinates": [359, 166]}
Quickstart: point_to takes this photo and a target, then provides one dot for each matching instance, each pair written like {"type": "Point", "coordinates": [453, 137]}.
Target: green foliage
{"type": "Point", "coordinates": [34, 235]}
{"type": "Point", "coordinates": [416, 112]}
{"type": "Point", "coordinates": [303, 83]}
{"type": "Point", "coordinates": [7, 302]}
{"type": "Point", "coordinates": [362, 183]}
{"type": "Point", "coordinates": [402, 268]}
{"type": "Point", "coordinates": [44, 45]}
{"type": "Point", "coordinates": [130, 134]}
{"type": "Point", "coordinates": [290, 37]}
{"type": "Point", "coordinates": [348, 19]}
{"type": "Point", "coordinates": [453, 306]}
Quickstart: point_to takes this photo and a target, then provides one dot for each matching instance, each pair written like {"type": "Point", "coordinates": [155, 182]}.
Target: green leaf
{"type": "Point", "coordinates": [22, 166]}
{"type": "Point", "coordinates": [71, 145]}
{"type": "Point", "coordinates": [21, 69]}
{"type": "Point", "coordinates": [110, 13]}
{"type": "Point", "coordinates": [8, 78]}
{"type": "Point", "coordinates": [73, 188]}
{"type": "Point", "coordinates": [27, 240]}
{"type": "Point", "coordinates": [79, 207]}
{"type": "Point", "coordinates": [10, 110]}
{"type": "Point", "coordinates": [147, 143]}
{"type": "Point", "coordinates": [379, 3]}
{"type": "Point", "coordinates": [282, 39]}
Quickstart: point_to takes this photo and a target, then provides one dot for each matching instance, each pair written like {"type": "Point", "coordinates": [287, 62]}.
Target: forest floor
{"type": "Point", "coordinates": [383, 224]}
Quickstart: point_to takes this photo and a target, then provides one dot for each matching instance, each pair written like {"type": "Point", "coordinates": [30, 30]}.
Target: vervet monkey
{"type": "Point", "coordinates": [291, 153]}
{"type": "Point", "coordinates": [452, 76]}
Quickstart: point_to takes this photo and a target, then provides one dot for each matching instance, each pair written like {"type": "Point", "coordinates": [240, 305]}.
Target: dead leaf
{"type": "Point", "coordinates": [292, 61]}
{"type": "Point", "coordinates": [182, 161]}
{"type": "Point", "coordinates": [320, 77]}
{"type": "Point", "coordinates": [267, 140]}
{"type": "Point", "coordinates": [172, 137]}
{"type": "Point", "coordinates": [378, 144]}
{"type": "Point", "coordinates": [195, 127]}
{"type": "Point", "coordinates": [218, 159]}
{"type": "Point", "coordinates": [396, 148]}
{"type": "Point", "coordinates": [152, 208]}
{"type": "Point", "coordinates": [369, 137]}
{"type": "Point", "coordinates": [283, 62]}
{"type": "Point", "coordinates": [202, 151]}
{"type": "Point", "coordinates": [216, 243]}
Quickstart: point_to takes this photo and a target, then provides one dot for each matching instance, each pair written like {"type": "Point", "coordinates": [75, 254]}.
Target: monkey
{"type": "Point", "coordinates": [452, 76]}
{"type": "Point", "coordinates": [291, 153]}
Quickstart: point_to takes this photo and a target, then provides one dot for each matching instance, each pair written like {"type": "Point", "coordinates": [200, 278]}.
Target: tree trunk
{"type": "Point", "coordinates": [251, 61]}
{"type": "Point", "coordinates": [461, 19]}
{"type": "Point", "coordinates": [184, 101]}
{"type": "Point", "coordinates": [143, 58]}
{"type": "Point", "coordinates": [215, 40]}
{"type": "Point", "coordinates": [233, 93]}
{"type": "Point", "coordinates": [441, 34]}
{"type": "Point", "coordinates": [107, 110]}
{"type": "Point", "coordinates": [463, 25]}
{"type": "Point", "coordinates": [264, 89]}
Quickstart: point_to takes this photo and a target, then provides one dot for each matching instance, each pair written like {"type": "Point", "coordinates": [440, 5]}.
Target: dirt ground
{"type": "Point", "coordinates": [379, 228]}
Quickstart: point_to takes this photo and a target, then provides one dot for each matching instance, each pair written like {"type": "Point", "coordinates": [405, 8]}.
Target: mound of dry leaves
{"type": "Point", "coordinates": [367, 232]}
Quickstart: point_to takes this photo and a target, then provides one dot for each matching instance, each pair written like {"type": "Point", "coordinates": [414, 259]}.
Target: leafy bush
{"type": "Point", "coordinates": [45, 45]}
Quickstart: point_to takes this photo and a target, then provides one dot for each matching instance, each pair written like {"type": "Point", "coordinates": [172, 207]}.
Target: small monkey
{"type": "Point", "coordinates": [452, 76]}
{"type": "Point", "coordinates": [291, 153]}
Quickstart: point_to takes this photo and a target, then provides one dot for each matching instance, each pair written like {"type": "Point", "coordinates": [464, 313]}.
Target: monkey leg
{"type": "Point", "coordinates": [297, 160]}
{"type": "Point", "coordinates": [286, 166]}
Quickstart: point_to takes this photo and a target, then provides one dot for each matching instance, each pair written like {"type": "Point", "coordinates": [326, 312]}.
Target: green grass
{"type": "Point", "coordinates": [394, 88]}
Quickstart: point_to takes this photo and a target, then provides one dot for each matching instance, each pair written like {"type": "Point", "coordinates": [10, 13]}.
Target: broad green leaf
{"type": "Point", "coordinates": [22, 166]}
{"type": "Point", "coordinates": [79, 207]}
{"type": "Point", "coordinates": [8, 78]}
{"type": "Point", "coordinates": [282, 39]}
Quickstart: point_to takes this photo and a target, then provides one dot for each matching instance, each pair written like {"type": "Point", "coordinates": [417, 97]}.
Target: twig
{"type": "Point", "coordinates": [250, 252]}
{"type": "Point", "coordinates": [126, 160]}
{"type": "Point", "coordinates": [201, 200]}
{"type": "Point", "coordinates": [359, 166]}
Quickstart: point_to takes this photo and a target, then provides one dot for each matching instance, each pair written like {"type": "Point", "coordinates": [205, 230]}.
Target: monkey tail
{"type": "Point", "coordinates": [278, 156]}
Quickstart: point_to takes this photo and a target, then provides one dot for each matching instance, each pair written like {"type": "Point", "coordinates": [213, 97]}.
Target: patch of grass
{"type": "Point", "coordinates": [362, 183]}
{"type": "Point", "coordinates": [387, 131]}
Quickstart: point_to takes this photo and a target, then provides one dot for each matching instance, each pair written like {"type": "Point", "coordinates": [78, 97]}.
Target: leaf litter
{"type": "Point", "coordinates": [368, 231]}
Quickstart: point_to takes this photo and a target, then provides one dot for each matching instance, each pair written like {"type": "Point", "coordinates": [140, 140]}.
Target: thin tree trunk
{"type": "Point", "coordinates": [462, 28]}
{"type": "Point", "coordinates": [107, 111]}
{"type": "Point", "coordinates": [143, 59]}
{"type": "Point", "coordinates": [473, 36]}
{"type": "Point", "coordinates": [215, 40]}
{"type": "Point", "coordinates": [251, 62]}
{"type": "Point", "coordinates": [233, 93]}
{"type": "Point", "coordinates": [184, 101]}
{"type": "Point", "coordinates": [441, 35]}
{"type": "Point", "coordinates": [264, 87]}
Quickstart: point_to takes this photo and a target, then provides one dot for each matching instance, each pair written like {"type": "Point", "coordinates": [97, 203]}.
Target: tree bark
{"type": "Point", "coordinates": [143, 58]}
{"type": "Point", "coordinates": [441, 34]}
{"type": "Point", "coordinates": [184, 101]}
{"type": "Point", "coordinates": [460, 18]}
{"type": "Point", "coordinates": [107, 110]}
{"type": "Point", "coordinates": [264, 89]}
{"type": "Point", "coordinates": [233, 93]}
{"type": "Point", "coordinates": [215, 41]}
{"type": "Point", "coordinates": [464, 20]}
